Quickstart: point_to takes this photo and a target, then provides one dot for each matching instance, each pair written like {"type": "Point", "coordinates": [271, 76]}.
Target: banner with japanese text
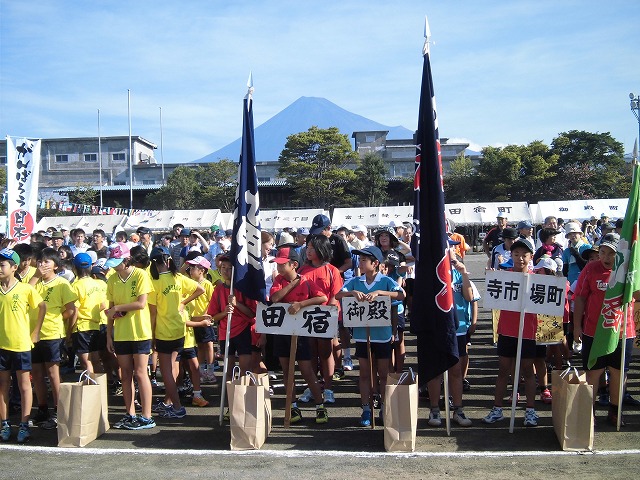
{"type": "Point", "coordinates": [23, 174]}
{"type": "Point", "coordinates": [313, 321]}
{"type": "Point", "coordinates": [376, 313]}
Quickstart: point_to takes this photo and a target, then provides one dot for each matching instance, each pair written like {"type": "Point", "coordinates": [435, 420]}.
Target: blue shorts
{"type": "Point", "coordinates": [98, 342]}
{"type": "Point", "coordinates": [204, 334]}
{"type": "Point", "coordinates": [82, 340]}
{"type": "Point", "coordinates": [139, 347]}
{"type": "Point", "coordinates": [238, 345]}
{"type": "Point", "coordinates": [14, 361]}
{"type": "Point", "coordinates": [378, 350]}
{"type": "Point", "coordinates": [187, 354]}
{"type": "Point", "coordinates": [462, 345]}
{"type": "Point", "coordinates": [612, 360]}
{"type": "Point", "coordinates": [282, 347]}
{"type": "Point", "coordinates": [508, 347]}
{"type": "Point", "coordinates": [169, 346]}
{"type": "Point", "coordinates": [47, 351]}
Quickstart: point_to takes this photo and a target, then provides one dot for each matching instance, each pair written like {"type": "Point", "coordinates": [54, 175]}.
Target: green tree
{"type": "Point", "coordinates": [83, 195]}
{"type": "Point", "coordinates": [315, 163]}
{"type": "Point", "coordinates": [370, 184]}
{"type": "Point", "coordinates": [459, 182]}
{"type": "Point", "coordinates": [537, 172]}
{"type": "Point", "coordinates": [219, 182]}
{"type": "Point", "coordinates": [182, 191]}
{"type": "Point", "coordinates": [498, 173]}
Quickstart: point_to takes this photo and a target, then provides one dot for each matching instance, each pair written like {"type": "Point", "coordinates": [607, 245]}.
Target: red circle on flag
{"type": "Point", "coordinates": [20, 225]}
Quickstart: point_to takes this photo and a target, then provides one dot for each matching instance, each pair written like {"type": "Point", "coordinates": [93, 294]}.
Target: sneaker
{"type": "Point", "coordinates": [159, 407]}
{"type": "Point", "coordinates": [545, 396]}
{"type": "Point", "coordinates": [365, 418]}
{"type": "Point", "coordinates": [338, 374]}
{"type": "Point", "coordinates": [461, 419]}
{"type": "Point", "coordinates": [627, 399]}
{"type": "Point", "coordinates": [530, 418]}
{"type": "Point", "coordinates": [494, 415]}
{"type": "Point", "coordinates": [185, 391]}
{"type": "Point", "coordinates": [226, 415]}
{"type": "Point", "coordinates": [5, 432]}
{"type": "Point", "coordinates": [171, 412]}
{"type": "Point", "coordinates": [120, 423]}
{"type": "Point", "coordinates": [24, 433]}
{"type": "Point", "coordinates": [434, 418]}
{"type": "Point", "coordinates": [199, 402]}
{"type": "Point", "coordinates": [154, 382]}
{"type": "Point", "coordinates": [296, 415]}
{"type": "Point", "coordinates": [306, 396]}
{"type": "Point", "coordinates": [51, 423]}
{"type": "Point", "coordinates": [139, 423]}
{"type": "Point", "coordinates": [321, 415]}
{"type": "Point", "coordinates": [272, 375]}
{"type": "Point", "coordinates": [466, 386]}
{"type": "Point", "coordinates": [329, 397]}
{"type": "Point", "coordinates": [347, 364]}
{"type": "Point", "coordinates": [41, 416]}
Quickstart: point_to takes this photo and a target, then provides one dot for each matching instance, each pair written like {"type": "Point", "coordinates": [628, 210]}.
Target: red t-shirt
{"type": "Point", "coordinates": [592, 286]}
{"type": "Point", "coordinates": [239, 321]}
{"type": "Point", "coordinates": [327, 278]}
{"type": "Point", "coordinates": [509, 323]}
{"type": "Point", "coordinates": [304, 290]}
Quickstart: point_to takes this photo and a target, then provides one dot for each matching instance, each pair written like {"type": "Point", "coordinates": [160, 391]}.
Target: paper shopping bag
{"type": "Point", "coordinates": [249, 411]}
{"type": "Point", "coordinates": [401, 412]}
{"type": "Point", "coordinates": [82, 409]}
{"type": "Point", "coordinates": [572, 410]}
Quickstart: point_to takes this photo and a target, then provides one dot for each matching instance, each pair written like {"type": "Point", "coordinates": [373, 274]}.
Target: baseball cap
{"type": "Point", "coordinates": [501, 215]}
{"type": "Point", "coordinates": [303, 231]}
{"type": "Point", "coordinates": [158, 252]}
{"type": "Point", "coordinates": [285, 239]}
{"type": "Point", "coordinates": [509, 232]}
{"type": "Point", "coordinates": [201, 261]}
{"type": "Point", "coordinates": [93, 255]}
{"type": "Point", "coordinates": [9, 254]}
{"type": "Point", "coordinates": [610, 240]}
{"type": "Point", "coordinates": [586, 253]}
{"type": "Point", "coordinates": [117, 253]}
{"type": "Point", "coordinates": [392, 258]}
{"type": "Point", "coordinates": [82, 260]}
{"type": "Point", "coordinates": [546, 262]}
{"type": "Point", "coordinates": [228, 232]}
{"type": "Point", "coordinates": [361, 229]}
{"type": "Point", "coordinates": [371, 251]}
{"type": "Point", "coordinates": [143, 230]}
{"type": "Point", "coordinates": [219, 233]}
{"type": "Point", "coordinates": [524, 224]}
{"type": "Point", "coordinates": [286, 254]}
{"type": "Point", "coordinates": [319, 223]}
{"type": "Point", "coordinates": [185, 232]}
{"type": "Point", "coordinates": [522, 242]}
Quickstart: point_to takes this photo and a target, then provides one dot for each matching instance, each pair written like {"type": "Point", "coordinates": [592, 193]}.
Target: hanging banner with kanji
{"type": "Point", "coordinates": [23, 172]}
{"type": "Point", "coordinates": [376, 313]}
{"type": "Point", "coordinates": [313, 321]}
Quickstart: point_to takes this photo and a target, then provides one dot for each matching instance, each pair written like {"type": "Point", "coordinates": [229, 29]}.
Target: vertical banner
{"type": "Point", "coordinates": [23, 175]}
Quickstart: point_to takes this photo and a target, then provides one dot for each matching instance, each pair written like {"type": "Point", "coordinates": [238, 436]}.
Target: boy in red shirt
{"type": "Point", "coordinates": [589, 297]}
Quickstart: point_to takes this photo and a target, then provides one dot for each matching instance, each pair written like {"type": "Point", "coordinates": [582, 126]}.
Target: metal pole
{"type": "Point", "coordinates": [161, 148]}
{"type": "Point", "coordinates": [100, 158]}
{"type": "Point", "coordinates": [130, 152]}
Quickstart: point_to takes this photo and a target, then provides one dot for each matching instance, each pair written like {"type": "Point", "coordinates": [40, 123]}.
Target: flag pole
{"type": "Point", "coordinates": [622, 362]}
{"type": "Point", "coordinates": [225, 367]}
{"type": "Point", "coordinates": [100, 158]}
{"type": "Point", "coordinates": [516, 373]}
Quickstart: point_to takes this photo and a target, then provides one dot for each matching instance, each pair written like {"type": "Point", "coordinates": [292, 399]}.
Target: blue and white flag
{"type": "Point", "coordinates": [246, 244]}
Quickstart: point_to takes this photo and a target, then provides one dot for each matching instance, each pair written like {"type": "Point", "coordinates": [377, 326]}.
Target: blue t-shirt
{"type": "Point", "coordinates": [568, 259]}
{"type": "Point", "coordinates": [463, 307]}
{"type": "Point", "coordinates": [386, 284]}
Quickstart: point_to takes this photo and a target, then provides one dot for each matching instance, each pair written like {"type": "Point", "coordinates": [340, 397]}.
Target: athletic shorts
{"type": "Point", "coordinates": [462, 345]}
{"type": "Point", "coordinates": [14, 361]}
{"type": "Point", "coordinates": [47, 351]}
{"type": "Point", "coordinates": [401, 322]}
{"type": "Point", "coordinates": [282, 347]}
{"type": "Point", "coordinates": [238, 345]}
{"type": "Point", "coordinates": [169, 346]}
{"type": "Point", "coordinates": [612, 360]}
{"type": "Point", "coordinates": [138, 347]}
{"type": "Point", "coordinates": [508, 346]}
{"type": "Point", "coordinates": [99, 342]}
{"type": "Point", "coordinates": [204, 334]}
{"type": "Point", "coordinates": [380, 351]}
{"type": "Point", "coordinates": [187, 354]}
{"type": "Point", "coordinates": [541, 351]}
{"type": "Point", "coordinates": [82, 340]}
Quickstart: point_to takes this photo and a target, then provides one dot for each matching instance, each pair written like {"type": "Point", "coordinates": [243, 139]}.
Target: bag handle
{"type": "Point", "coordinates": [235, 373]}
{"type": "Point", "coordinates": [568, 370]}
{"type": "Point", "coordinates": [252, 377]}
{"type": "Point", "coordinates": [86, 375]}
{"type": "Point", "coordinates": [403, 377]}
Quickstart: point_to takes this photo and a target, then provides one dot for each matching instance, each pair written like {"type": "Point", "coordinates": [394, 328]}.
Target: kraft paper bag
{"type": "Point", "coordinates": [82, 410]}
{"type": "Point", "coordinates": [572, 410]}
{"type": "Point", "coordinates": [249, 411]}
{"type": "Point", "coordinates": [401, 412]}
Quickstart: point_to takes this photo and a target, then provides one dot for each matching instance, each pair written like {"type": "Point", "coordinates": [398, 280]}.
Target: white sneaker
{"type": "Point", "coordinates": [306, 396]}
{"type": "Point", "coordinates": [530, 418]}
{"type": "Point", "coordinates": [329, 397]}
{"type": "Point", "coordinates": [461, 419]}
{"type": "Point", "coordinates": [494, 415]}
{"type": "Point", "coordinates": [347, 364]}
{"type": "Point", "coordinates": [434, 418]}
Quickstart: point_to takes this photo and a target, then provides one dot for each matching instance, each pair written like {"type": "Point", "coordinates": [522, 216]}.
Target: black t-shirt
{"type": "Point", "coordinates": [340, 250]}
{"type": "Point", "coordinates": [493, 238]}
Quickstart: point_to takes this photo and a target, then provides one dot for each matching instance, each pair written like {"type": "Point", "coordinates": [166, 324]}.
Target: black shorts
{"type": "Point", "coordinates": [380, 351]}
{"type": "Point", "coordinates": [541, 351]}
{"type": "Point", "coordinates": [408, 286]}
{"type": "Point", "coordinates": [47, 351]}
{"type": "Point", "coordinates": [138, 347]}
{"type": "Point", "coordinates": [462, 345]}
{"type": "Point", "coordinates": [14, 361]}
{"type": "Point", "coordinates": [612, 360]}
{"type": "Point", "coordinates": [204, 334]}
{"type": "Point", "coordinates": [508, 347]}
{"type": "Point", "coordinates": [401, 322]}
{"type": "Point", "coordinates": [169, 346]}
{"type": "Point", "coordinates": [238, 345]}
{"type": "Point", "coordinates": [99, 342]}
{"type": "Point", "coordinates": [187, 354]}
{"type": "Point", "coordinates": [82, 340]}
{"type": "Point", "coordinates": [282, 347]}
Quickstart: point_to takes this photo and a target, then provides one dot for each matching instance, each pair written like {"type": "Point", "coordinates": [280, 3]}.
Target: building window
{"type": "Point", "coordinates": [90, 157]}
{"type": "Point", "coordinates": [148, 182]}
{"type": "Point", "coordinates": [3, 160]}
{"type": "Point", "coordinates": [62, 158]}
{"type": "Point", "coordinates": [119, 183]}
{"type": "Point", "coordinates": [118, 157]}
{"type": "Point", "coordinates": [370, 138]}
{"type": "Point", "coordinates": [264, 179]}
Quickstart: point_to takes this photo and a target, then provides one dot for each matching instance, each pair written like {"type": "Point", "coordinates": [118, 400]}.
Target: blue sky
{"type": "Point", "coordinates": [504, 71]}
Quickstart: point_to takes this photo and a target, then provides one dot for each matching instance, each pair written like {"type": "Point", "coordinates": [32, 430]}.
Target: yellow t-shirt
{"type": "Point", "coordinates": [190, 338]}
{"type": "Point", "coordinates": [136, 325]}
{"type": "Point", "coordinates": [15, 307]}
{"type": "Point", "coordinates": [215, 276]}
{"type": "Point", "coordinates": [200, 304]}
{"type": "Point", "coordinates": [169, 291]}
{"type": "Point", "coordinates": [92, 294]}
{"type": "Point", "coordinates": [29, 275]}
{"type": "Point", "coordinates": [56, 293]}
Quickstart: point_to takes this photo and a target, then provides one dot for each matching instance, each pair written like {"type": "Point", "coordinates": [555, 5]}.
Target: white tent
{"type": "Point", "coordinates": [371, 216]}
{"type": "Point", "coordinates": [279, 219]}
{"type": "Point", "coordinates": [88, 223]}
{"type": "Point", "coordinates": [162, 221]}
{"type": "Point", "coordinates": [581, 209]}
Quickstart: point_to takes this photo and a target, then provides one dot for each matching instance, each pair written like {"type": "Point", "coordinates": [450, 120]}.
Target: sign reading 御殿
{"type": "Point", "coordinates": [23, 172]}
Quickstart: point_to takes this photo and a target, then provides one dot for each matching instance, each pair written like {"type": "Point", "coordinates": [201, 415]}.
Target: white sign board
{"type": "Point", "coordinates": [376, 313]}
{"type": "Point", "coordinates": [314, 321]}
{"type": "Point", "coordinates": [531, 293]}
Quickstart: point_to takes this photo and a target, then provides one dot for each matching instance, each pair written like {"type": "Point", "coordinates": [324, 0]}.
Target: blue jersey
{"type": "Point", "coordinates": [463, 307]}
{"type": "Point", "coordinates": [386, 284]}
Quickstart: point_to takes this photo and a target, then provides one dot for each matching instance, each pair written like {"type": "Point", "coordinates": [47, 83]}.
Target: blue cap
{"type": "Point", "coordinates": [159, 252]}
{"type": "Point", "coordinates": [185, 232]}
{"type": "Point", "coordinates": [9, 254]}
{"type": "Point", "coordinates": [82, 260]}
{"type": "Point", "coordinates": [371, 251]}
{"type": "Point", "coordinates": [320, 222]}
